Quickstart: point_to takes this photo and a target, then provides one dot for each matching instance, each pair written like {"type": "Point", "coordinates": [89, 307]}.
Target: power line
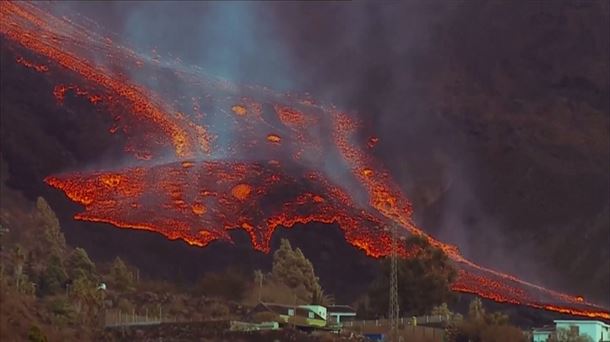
{"type": "Point", "coordinates": [394, 310]}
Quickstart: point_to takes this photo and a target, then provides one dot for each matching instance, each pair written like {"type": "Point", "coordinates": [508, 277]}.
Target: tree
{"type": "Point", "coordinates": [497, 318]}
{"type": "Point", "coordinates": [32, 268]}
{"type": "Point", "coordinates": [476, 311]}
{"type": "Point", "coordinates": [79, 265]}
{"type": "Point", "coordinates": [229, 285]}
{"type": "Point", "coordinates": [54, 277]}
{"type": "Point", "coordinates": [86, 297]}
{"type": "Point", "coordinates": [19, 259]}
{"type": "Point", "coordinates": [502, 333]}
{"type": "Point", "coordinates": [484, 327]}
{"type": "Point", "coordinates": [318, 297]}
{"type": "Point", "coordinates": [423, 280]}
{"type": "Point", "coordinates": [291, 268]}
{"type": "Point", "coordinates": [83, 289]}
{"type": "Point", "coordinates": [36, 335]}
{"type": "Point", "coordinates": [443, 310]}
{"type": "Point", "coordinates": [54, 238]}
{"type": "Point", "coordinates": [120, 275]}
{"type": "Point", "coordinates": [265, 316]}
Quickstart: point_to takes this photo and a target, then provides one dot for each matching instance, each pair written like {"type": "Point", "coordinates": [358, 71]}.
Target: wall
{"type": "Point", "coordinates": [541, 336]}
{"type": "Point", "coordinates": [595, 330]}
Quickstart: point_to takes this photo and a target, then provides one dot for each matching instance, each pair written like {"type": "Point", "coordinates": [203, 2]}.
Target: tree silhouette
{"type": "Point", "coordinates": [19, 260]}
{"type": "Point", "coordinates": [318, 297]}
{"type": "Point", "coordinates": [230, 284]}
{"type": "Point", "coordinates": [423, 280]}
{"type": "Point", "coordinates": [476, 311]}
{"type": "Point", "coordinates": [291, 268]}
{"type": "Point", "coordinates": [54, 238]}
{"type": "Point", "coordinates": [120, 275]}
{"type": "Point", "coordinates": [86, 297]}
{"type": "Point", "coordinates": [484, 327]}
{"type": "Point", "coordinates": [80, 266]}
{"type": "Point", "coordinates": [54, 277]}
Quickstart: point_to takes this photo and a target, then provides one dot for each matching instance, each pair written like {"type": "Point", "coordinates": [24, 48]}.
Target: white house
{"type": "Point", "coordinates": [542, 334]}
{"type": "Point", "coordinates": [339, 314]}
{"type": "Point", "coordinates": [596, 330]}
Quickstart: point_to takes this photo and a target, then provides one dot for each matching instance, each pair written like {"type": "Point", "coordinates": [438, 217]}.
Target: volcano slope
{"type": "Point", "coordinates": [195, 121]}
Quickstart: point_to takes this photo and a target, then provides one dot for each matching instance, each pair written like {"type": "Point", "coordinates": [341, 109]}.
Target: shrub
{"type": "Point", "coordinates": [36, 335]}
{"type": "Point", "coordinates": [216, 310]}
{"type": "Point", "coordinates": [229, 285]}
{"type": "Point", "coordinates": [266, 316]}
{"type": "Point", "coordinates": [294, 270]}
{"type": "Point", "coordinates": [120, 277]}
{"type": "Point", "coordinates": [502, 333]}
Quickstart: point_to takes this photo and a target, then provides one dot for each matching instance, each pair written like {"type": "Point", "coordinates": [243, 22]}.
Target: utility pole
{"type": "Point", "coordinates": [258, 278]}
{"type": "Point", "coordinates": [394, 313]}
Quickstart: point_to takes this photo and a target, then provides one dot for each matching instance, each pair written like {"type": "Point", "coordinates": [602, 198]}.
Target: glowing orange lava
{"type": "Point", "coordinates": [255, 186]}
{"type": "Point", "coordinates": [372, 142]}
{"type": "Point", "coordinates": [198, 208]}
{"type": "Point", "coordinates": [274, 138]}
{"type": "Point", "coordinates": [241, 191]}
{"type": "Point", "coordinates": [28, 64]}
{"type": "Point", "coordinates": [239, 110]}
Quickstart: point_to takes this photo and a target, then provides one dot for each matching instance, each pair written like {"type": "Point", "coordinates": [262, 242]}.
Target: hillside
{"type": "Point", "coordinates": [501, 127]}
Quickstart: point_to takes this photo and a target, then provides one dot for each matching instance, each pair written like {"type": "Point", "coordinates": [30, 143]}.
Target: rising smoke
{"type": "Point", "coordinates": [377, 60]}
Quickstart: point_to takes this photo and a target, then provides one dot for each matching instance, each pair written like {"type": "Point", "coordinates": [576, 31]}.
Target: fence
{"type": "Point", "coordinates": [410, 328]}
{"type": "Point", "coordinates": [116, 318]}
{"type": "Point", "coordinates": [404, 321]}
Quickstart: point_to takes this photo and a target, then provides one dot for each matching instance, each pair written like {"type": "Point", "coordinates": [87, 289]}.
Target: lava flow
{"type": "Point", "coordinates": [242, 157]}
{"type": "Point", "coordinates": [200, 201]}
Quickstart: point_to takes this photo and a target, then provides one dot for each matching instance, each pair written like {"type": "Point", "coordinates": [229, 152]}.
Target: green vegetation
{"type": "Point", "coordinates": [292, 280]}
{"type": "Point", "coordinates": [228, 285]}
{"type": "Point", "coordinates": [80, 266]}
{"type": "Point", "coordinates": [49, 286]}
{"type": "Point", "coordinates": [57, 289]}
{"type": "Point", "coordinates": [318, 297]}
{"type": "Point", "coordinates": [443, 310]}
{"type": "Point", "coordinates": [54, 277]}
{"type": "Point", "coordinates": [55, 242]}
{"type": "Point", "coordinates": [480, 326]}
{"type": "Point", "coordinates": [423, 282]}
{"type": "Point", "coordinates": [292, 269]}
{"type": "Point", "coordinates": [36, 335]}
{"type": "Point", "coordinates": [261, 317]}
{"type": "Point", "coordinates": [120, 277]}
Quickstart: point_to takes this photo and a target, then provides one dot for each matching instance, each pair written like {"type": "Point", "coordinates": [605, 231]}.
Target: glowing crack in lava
{"type": "Point", "coordinates": [214, 156]}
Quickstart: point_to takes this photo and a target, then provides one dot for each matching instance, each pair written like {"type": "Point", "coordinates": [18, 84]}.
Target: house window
{"type": "Point", "coordinates": [290, 312]}
{"type": "Point", "coordinates": [311, 314]}
{"type": "Point", "coordinates": [574, 329]}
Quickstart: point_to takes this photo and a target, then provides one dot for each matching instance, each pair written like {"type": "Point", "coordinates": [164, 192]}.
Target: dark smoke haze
{"type": "Point", "coordinates": [466, 98]}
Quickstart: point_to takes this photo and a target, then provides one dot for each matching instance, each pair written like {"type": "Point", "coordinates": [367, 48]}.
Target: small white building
{"type": "Point", "coordinates": [339, 314]}
{"type": "Point", "coordinates": [596, 330]}
{"type": "Point", "coordinates": [542, 334]}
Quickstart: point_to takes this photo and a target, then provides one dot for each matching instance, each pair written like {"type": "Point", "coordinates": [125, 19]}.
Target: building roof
{"type": "Point", "coordinates": [334, 309]}
{"type": "Point", "coordinates": [546, 328]}
{"type": "Point", "coordinates": [282, 309]}
{"type": "Point", "coordinates": [580, 321]}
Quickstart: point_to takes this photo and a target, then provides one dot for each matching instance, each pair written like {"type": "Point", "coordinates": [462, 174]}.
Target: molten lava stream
{"type": "Point", "coordinates": [281, 135]}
